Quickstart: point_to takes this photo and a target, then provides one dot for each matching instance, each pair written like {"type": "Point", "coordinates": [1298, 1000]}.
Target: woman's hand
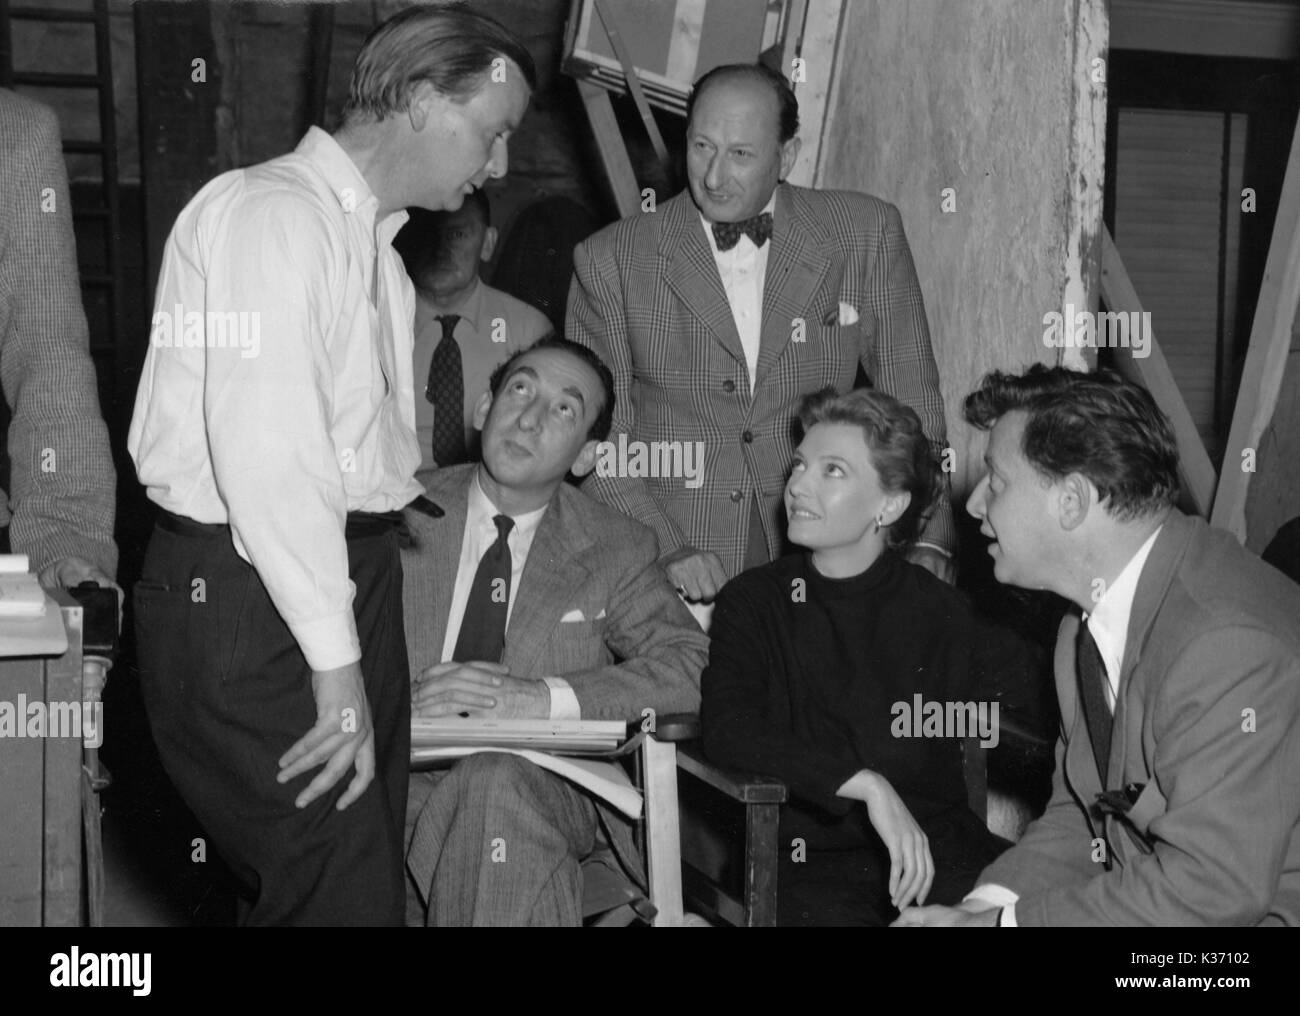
{"type": "Point", "coordinates": [911, 868]}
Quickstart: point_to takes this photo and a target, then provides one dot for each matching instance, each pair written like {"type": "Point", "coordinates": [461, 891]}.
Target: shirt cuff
{"type": "Point", "coordinates": [328, 642]}
{"type": "Point", "coordinates": [935, 547]}
{"type": "Point", "coordinates": [997, 896]}
{"type": "Point", "coordinates": [564, 703]}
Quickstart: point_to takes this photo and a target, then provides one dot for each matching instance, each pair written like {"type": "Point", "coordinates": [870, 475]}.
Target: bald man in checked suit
{"type": "Point", "coordinates": [717, 344]}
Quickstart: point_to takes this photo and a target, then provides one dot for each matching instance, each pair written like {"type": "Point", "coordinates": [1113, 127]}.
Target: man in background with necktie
{"type": "Point", "coordinates": [1174, 797]}
{"type": "Point", "coordinates": [464, 328]}
{"type": "Point", "coordinates": [533, 602]}
{"type": "Point", "coordinates": [719, 309]}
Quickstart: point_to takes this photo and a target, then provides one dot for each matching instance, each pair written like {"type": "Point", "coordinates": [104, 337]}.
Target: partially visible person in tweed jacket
{"type": "Point", "coordinates": [714, 335]}
{"type": "Point", "coordinates": [59, 506]}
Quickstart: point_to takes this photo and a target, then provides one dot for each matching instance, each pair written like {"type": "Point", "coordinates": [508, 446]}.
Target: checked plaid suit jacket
{"type": "Point", "coordinates": [61, 479]}
{"type": "Point", "coordinates": [647, 297]}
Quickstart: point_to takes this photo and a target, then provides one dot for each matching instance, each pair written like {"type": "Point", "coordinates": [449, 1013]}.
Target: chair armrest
{"type": "Point", "coordinates": [677, 727]}
{"type": "Point", "coordinates": [747, 788]}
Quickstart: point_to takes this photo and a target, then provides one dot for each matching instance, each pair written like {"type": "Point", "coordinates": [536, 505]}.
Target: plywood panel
{"type": "Point", "coordinates": [995, 100]}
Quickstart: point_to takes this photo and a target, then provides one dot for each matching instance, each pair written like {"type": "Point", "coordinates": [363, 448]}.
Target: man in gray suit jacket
{"type": "Point", "coordinates": [719, 309]}
{"type": "Point", "coordinates": [59, 509]}
{"type": "Point", "coordinates": [589, 628]}
{"type": "Point", "coordinates": [1174, 799]}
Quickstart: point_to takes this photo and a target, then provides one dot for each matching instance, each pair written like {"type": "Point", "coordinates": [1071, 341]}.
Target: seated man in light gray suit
{"type": "Point", "coordinates": [1174, 799]}
{"type": "Point", "coordinates": [531, 600]}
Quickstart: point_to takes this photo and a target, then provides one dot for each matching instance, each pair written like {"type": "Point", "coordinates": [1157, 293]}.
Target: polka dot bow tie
{"type": "Point", "coordinates": [758, 229]}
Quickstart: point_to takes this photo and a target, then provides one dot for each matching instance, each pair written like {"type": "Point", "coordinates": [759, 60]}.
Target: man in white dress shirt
{"type": "Point", "coordinates": [274, 428]}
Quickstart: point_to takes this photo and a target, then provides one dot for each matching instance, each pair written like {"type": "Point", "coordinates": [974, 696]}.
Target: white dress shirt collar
{"type": "Point", "coordinates": [346, 182]}
{"type": "Point", "coordinates": [481, 511]}
{"type": "Point", "coordinates": [1108, 622]}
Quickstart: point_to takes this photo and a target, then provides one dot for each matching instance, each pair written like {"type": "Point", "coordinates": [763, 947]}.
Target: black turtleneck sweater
{"type": "Point", "coordinates": [805, 671]}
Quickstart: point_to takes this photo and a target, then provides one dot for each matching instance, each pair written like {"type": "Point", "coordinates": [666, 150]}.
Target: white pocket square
{"type": "Point", "coordinates": [573, 616]}
{"type": "Point", "coordinates": [848, 314]}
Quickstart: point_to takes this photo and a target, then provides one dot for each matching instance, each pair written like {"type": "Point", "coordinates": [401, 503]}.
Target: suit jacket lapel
{"type": "Point", "coordinates": [692, 274]}
{"type": "Point", "coordinates": [453, 498]}
{"type": "Point", "coordinates": [1148, 599]}
{"type": "Point", "coordinates": [546, 587]}
{"type": "Point", "coordinates": [796, 265]}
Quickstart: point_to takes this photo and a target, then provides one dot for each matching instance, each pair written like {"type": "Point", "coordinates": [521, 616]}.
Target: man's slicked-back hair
{"type": "Point", "coordinates": [787, 103]}
{"type": "Point", "coordinates": [1098, 425]}
{"type": "Point", "coordinates": [896, 444]}
{"type": "Point", "coordinates": [450, 47]}
{"type": "Point", "coordinates": [600, 426]}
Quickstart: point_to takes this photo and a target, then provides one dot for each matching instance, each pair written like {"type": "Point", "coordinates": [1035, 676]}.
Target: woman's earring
{"type": "Point", "coordinates": [880, 521]}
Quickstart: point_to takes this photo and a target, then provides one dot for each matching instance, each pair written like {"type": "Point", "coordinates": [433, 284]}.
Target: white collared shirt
{"type": "Point", "coordinates": [1109, 621]}
{"type": "Point", "coordinates": [277, 391]}
{"type": "Point", "coordinates": [743, 270]}
{"type": "Point", "coordinates": [480, 534]}
{"type": "Point", "coordinates": [1109, 627]}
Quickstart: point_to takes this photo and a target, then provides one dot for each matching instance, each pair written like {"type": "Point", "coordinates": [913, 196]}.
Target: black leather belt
{"type": "Point", "coordinates": [360, 525]}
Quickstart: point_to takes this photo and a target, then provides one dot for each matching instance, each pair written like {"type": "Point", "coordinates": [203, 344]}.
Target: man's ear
{"type": "Point", "coordinates": [489, 244]}
{"type": "Point", "coordinates": [424, 103]}
{"type": "Point", "coordinates": [1075, 497]}
{"type": "Point", "coordinates": [789, 153]}
{"type": "Point", "coordinates": [481, 410]}
{"type": "Point", "coordinates": [586, 460]}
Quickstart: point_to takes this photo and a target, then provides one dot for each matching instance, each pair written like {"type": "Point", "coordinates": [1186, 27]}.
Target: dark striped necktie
{"type": "Point", "coordinates": [446, 390]}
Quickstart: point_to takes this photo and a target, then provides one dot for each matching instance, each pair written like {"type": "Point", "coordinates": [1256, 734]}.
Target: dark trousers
{"type": "Point", "coordinates": [841, 877]}
{"type": "Point", "coordinates": [228, 692]}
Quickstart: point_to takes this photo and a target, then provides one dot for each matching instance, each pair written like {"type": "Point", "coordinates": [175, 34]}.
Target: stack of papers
{"type": "Point", "coordinates": [541, 742]}
{"type": "Point", "coordinates": [576, 737]}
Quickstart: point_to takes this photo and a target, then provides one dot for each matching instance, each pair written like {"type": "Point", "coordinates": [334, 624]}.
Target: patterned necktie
{"type": "Point", "coordinates": [483, 629]}
{"type": "Point", "coordinates": [758, 229]}
{"type": "Point", "coordinates": [1091, 672]}
{"type": "Point", "coordinates": [446, 390]}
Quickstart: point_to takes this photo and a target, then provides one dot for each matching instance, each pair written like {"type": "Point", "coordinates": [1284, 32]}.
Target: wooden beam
{"type": "Point", "coordinates": [815, 40]}
{"type": "Point", "coordinates": [613, 153]}
{"type": "Point", "coordinates": [1087, 174]}
{"type": "Point", "coordinates": [1152, 371]}
{"type": "Point", "coordinates": [1270, 342]}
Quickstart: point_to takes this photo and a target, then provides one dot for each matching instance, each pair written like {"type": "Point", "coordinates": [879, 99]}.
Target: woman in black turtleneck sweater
{"type": "Point", "coordinates": [814, 656]}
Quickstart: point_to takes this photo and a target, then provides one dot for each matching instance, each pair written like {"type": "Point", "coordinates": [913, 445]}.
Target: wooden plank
{"type": "Point", "coordinates": [1270, 342]}
{"type": "Point", "coordinates": [22, 772]}
{"type": "Point", "coordinates": [63, 781]}
{"type": "Point", "coordinates": [613, 153]}
{"type": "Point", "coordinates": [1087, 172]}
{"type": "Point", "coordinates": [663, 832]}
{"type": "Point", "coordinates": [748, 788]}
{"type": "Point", "coordinates": [817, 46]}
{"type": "Point", "coordinates": [761, 847]}
{"type": "Point", "coordinates": [1194, 466]}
